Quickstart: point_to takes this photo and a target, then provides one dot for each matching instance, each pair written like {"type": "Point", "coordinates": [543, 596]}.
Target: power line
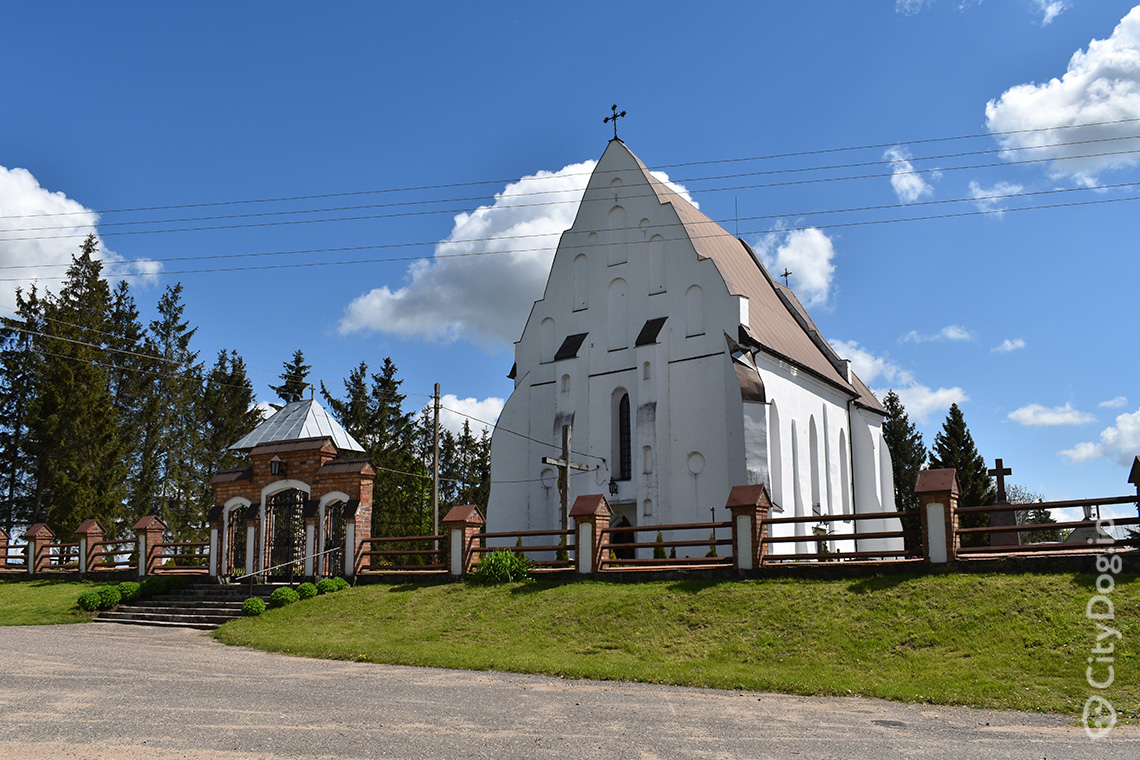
{"type": "Point", "coordinates": [365, 217]}
{"type": "Point", "coordinates": [782, 230]}
{"type": "Point", "coordinates": [448, 185]}
{"type": "Point", "coordinates": [577, 191]}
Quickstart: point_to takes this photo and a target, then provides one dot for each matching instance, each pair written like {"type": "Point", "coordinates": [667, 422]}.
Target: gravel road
{"type": "Point", "coordinates": [127, 693]}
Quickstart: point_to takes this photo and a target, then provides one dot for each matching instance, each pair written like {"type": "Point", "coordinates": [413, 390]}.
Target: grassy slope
{"type": "Point", "coordinates": [43, 602]}
{"type": "Point", "coordinates": [1016, 641]}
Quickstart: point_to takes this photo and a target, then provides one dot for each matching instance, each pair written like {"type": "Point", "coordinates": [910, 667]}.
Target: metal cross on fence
{"type": "Point", "coordinates": [614, 118]}
{"type": "Point", "coordinates": [1000, 472]}
{"type": "Point", "coordinates": [564, 466]}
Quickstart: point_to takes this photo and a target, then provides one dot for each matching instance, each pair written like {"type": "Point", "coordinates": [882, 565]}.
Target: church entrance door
{"type": "Point", "coordinates": [285, 529]}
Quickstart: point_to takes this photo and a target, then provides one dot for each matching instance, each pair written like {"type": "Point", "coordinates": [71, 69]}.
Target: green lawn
{"type": "Point", "coordinates": [42, 602]}
{"type": "Point", "coordinates": [1004, 641]}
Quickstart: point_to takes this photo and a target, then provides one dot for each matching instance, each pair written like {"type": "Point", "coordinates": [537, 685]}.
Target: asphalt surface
{"type": "Point", "coordinates": [125, 693]}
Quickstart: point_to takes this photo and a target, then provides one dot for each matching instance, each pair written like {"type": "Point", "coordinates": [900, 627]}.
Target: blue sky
{"type": "Point", "coordinates": [412, 127]}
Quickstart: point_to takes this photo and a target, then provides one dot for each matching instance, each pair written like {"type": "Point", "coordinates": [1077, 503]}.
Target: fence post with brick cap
{"type": "Point", "coordinates": [462, 524]}
{"type": "Point", "coordinates": [39, 538]}
{"type": "Point", "coordinates": [3, 548]}
{"type": "Point", "coordinates": [749, 506]}
{"type": "Point", "coordinates": [937, 492]}
{"type": "Point", "coordinates": [150, 530]}
{"type": "Point", "coordinates": [90, 534]}
{"type": "Point", "coordinates": [591, 514]}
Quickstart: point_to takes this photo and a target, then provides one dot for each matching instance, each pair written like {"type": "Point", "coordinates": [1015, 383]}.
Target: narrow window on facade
{"type": "Point", "coordinates": [647, 459]}
{"type": "Point", "coordinates": [624, 440]}
{"type": "Point", "coordinates": [581, 283]}
{"type": "Point", "coordinates": [694, 311]}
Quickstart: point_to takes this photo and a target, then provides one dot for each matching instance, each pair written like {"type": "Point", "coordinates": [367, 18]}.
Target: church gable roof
{"type": "Point", "coordinates": [773, 322]}
{"type": "Point", "coordinates": [298, 421]}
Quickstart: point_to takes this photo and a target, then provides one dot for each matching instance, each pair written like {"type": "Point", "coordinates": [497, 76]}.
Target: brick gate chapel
{"type": "Point", "coordinates": [302, 506]}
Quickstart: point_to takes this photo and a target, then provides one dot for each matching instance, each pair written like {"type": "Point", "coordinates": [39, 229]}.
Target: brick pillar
{"type": "Point", "coordinates": [310, 545]}
{"type": "Point", "coordinates": [252, 539]}
{"type": "Point", "coordinates": [937, 492]}
{"type": "Point", "coordinates": [150, 530]}
{"type": "Point", "coordinates": [591, 514]}
{"type": "Point", "coordinates": [749, 506]}
{"type": "Point", "coordinates": [462, 524]}
{"type": "Point", "coordinates": [39, 538]}
{"type": "Point", "coordinates": [3, 547]}
{"type": "Point", "coordinates": [217, 539]}
{"type": "Point", "coordinates": [90, 534]}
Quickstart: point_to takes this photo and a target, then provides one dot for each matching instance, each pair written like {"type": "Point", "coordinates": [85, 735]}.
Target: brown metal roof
{"type": "Point", "coordinates": [771, 320]}
{"type": "Point", "coordinates": [301, 444]}
{"type": "Point", "coordinates": [570, 346]}
{"type": "Point", "coordinates": [590, 504]}
{"type": "Point", "coordinates": [231, 475]}
{"type": "Point", "coordinates": [649, 331]}
{"type": "Point", "coordinates": [352, 466]}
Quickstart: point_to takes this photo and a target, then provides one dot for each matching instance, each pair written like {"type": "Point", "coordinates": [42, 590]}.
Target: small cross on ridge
{"type": "Point", "coordinates": [1000, 472]}
{"type": "Point", "coordinates": [614, 118]}
{"type": "Point", "coordinates": [786, 275]}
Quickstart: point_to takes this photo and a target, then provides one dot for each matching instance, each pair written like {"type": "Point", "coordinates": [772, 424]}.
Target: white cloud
{"type": "Point", "coordinates": [954, 333]}
{"type": "Point", "coordinates": [1036, 415]}
{"type": "Point", "coordinates": [908, 185]}
{"type": "Point", "coordinates": [1083, 452]}
{"type": "Point", "coordinates": [910, 7]}
{"type": "Point", "coordinates": [1051, 9]}
{"type": "Point", "coordinates": [485, 276]}
{"type": "Point", "coordinates": [40, 230]}
{"type": "Point", "coordinates": [1121, 442]}
{"type": "Point", "coordinates": [807, 254]}
{"type": "Point", "coordinates": [1114, 403]}
{"type": "Point", "coordinates": [1008, 345]}
{"type": "Point", "coordinates": [25, 206]}
{"type": "Point", "coordinates": [482, 414]}
{"type": "Point", "coordinates": [989, 199]}
{"type": "Point", "coordinates": [1101, 84]}
{"type": "Point", "coordinates": [920, 400]}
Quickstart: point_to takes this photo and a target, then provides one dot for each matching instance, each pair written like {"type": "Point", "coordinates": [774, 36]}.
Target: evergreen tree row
{"type": "Point", "coordinates": [101, 417]}
{"type": "Point", "coordinates": [953, 448]}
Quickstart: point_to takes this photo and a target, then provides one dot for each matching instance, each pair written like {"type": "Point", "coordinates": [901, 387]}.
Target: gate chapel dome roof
{"type": "Point", "coordinates": [295, 421]}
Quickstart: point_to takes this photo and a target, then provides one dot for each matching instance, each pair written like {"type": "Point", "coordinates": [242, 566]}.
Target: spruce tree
{"type": "Point", "coordinates": [954, 448]}
{"type": "Point", "coordinates": [75, 440]}
{"type": "Point", "coordinates": [225, 413]}
{"type": "Point", "coordinates": [908, 453]}
{"type": "Point", "coordinates": [19, 370]}
{"type": "Point", "coordinates": [294, 380]}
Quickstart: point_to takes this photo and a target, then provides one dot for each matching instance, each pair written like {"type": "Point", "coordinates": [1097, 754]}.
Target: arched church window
{"type": "Point", "coordinates": [656, 264]}
{"type": "Point", "coordinates": [565, 383]}
{"type": "Point", "coordinates": [617, 236]}
{"type": "Point", "coordinates": [581, 283]}
{"type": "Point", "coordinates": [647, 459]}
{"type": "Point", "coordinates": [618, 315]}
{"type": "Point", "coordinates": [694, 311]}
{"type": "Point", "coordinates": [546, 333]}
{"type": "Point", "coordinates": [623, 437]}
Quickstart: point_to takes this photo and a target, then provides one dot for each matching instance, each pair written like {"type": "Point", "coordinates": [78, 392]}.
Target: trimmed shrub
{"type": "Point", "coordinates": [88, 600]}
{"type": "Point", "coordinates": [659, 551]}
{"type": "Point", "coordinates": [326, 585]}
{"type": "Point", "coordinates": [340, 583]}
{"type": "Point", "coordinates": [109, 596]}
{"type": "Point", "coordinates": [501, 566]}
{"type": "Point", "coordinates": [283, 596]}
{"type": "Point", "coordinates": [252, 607]}
{"type": "Point", "coordinates": [306, 591]}
{"type": "Point", "coordinates": [129, 590]}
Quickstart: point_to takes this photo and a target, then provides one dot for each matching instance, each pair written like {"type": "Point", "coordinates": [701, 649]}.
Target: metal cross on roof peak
{"type": "Point", "coordinates": [614, 118]}
{"type": "Point", "coordinates": [786, 275]}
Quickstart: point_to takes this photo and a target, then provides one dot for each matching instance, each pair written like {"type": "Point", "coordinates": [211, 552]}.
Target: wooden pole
{"type": "Point", "coordinates": [435, 471]}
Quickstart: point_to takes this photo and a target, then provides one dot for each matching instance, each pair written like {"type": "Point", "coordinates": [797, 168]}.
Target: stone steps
{"type": "Point", "coordinates": [203, 606]}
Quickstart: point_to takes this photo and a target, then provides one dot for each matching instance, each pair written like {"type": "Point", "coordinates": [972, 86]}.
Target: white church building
{"type": "Point", "coordinates": [683, 369]}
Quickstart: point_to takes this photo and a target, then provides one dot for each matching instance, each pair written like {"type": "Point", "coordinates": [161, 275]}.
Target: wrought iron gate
{"type": "Point", "coordinates": [284, 515]}
{"type": "Point", "coordinates": [333, 562]}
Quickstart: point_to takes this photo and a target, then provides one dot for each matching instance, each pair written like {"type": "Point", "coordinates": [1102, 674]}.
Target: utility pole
{"type": "Point", "coordinates": [435, 471]}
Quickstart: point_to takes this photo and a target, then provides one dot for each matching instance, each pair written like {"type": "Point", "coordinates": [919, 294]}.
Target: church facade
{"type": "Point", "coordinates": [682, 369]}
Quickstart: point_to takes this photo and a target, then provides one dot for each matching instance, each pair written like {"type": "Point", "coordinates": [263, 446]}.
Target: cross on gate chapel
{"type": "Point", "coordinates": [680, 368]}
